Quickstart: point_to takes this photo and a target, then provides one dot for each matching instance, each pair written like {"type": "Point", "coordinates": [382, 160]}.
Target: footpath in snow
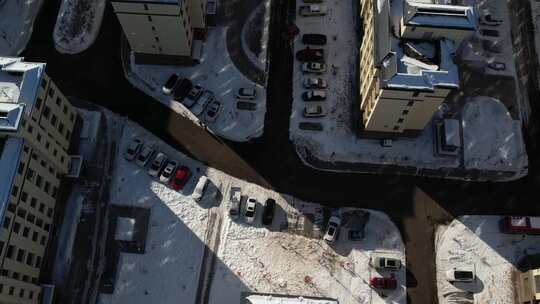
{"type": "Point", "coordinates": [221, 74]}
{"type": "Point", "coordinates": [475, 242]}
{"type": "Point", "coordinates": [497, 155]}
{"type": "Point", "coordinates": [194, 250]}
{"type": "Point", "coordinates": [77, 25]}
{"type": "Point", "coordinates": [16, 24]}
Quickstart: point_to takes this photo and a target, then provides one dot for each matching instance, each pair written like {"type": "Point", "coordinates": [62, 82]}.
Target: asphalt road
{"type": "Point", "coordinates": [415, 204]}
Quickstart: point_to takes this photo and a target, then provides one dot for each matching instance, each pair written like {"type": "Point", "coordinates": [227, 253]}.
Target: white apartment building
{"type": "Point", "coordinates": [36, 128]}
{"type": "Point", "coordinates": [163, 31]}
{"type": "Point", "coordinates": [406, 62]}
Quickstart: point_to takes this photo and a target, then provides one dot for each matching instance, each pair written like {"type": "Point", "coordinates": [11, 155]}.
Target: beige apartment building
{"type": "Point", "coordinates": [36, 128]}
{"type": "Point", "coordinates": [529, 287]}
{"type": "Point", "coordinates": [163, 31]}
{"type": "Point", "coordinates": [406, 64]}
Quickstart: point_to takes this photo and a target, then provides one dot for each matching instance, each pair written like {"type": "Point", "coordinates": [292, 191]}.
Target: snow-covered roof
{"type": "Point", "coordinates": [10, 151]}
{"type": "Point", "coordinates": [277, 299]}
{"type": "Point", "coordinates": [428, 13]}
{"type": "Point", "coordinates": [19, 84]}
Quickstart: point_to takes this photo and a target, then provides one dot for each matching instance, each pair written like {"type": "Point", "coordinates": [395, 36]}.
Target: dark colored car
{"type": "Point", "coordinates": [182, 89]}
{"type": "Point", "coordinates": [268, 213]}
{"type": "Point", "coordinates": [181, 176]}
{"type": "Point", "coordinates": [316, 39]}
{"type": "Point", "coordinates": [170, 84]}
{"type": "Point", "coordinates": [246, 106]}
{"type": "Point", "coordinates": [383, 283]}
{"type": "Point", "coordinates": [310, 55]}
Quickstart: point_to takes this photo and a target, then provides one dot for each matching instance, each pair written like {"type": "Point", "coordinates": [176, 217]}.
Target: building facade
{"type": "Point", "coordinates": [406, 64]}
{"type": "Point", "coordinates": [529, 287]}
{"type": "Point", "coordinates": [163, 31]}
{"type": "Point", "coordinates": [36, 130]}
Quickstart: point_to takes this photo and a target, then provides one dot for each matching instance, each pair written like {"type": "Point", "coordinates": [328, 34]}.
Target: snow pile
{"type": "Point", "coordinates": [77, 25]}
{"type": "Point", "coordinates": [16, 22]}
{"type": "Point", "coordinates": [492, 139]}
{"type": "Point", "coordinates": [216, 72]}
{"type": "Point", "coordinates": [288, 257]}
{"type": "Point", "coordinates": [475, 241]}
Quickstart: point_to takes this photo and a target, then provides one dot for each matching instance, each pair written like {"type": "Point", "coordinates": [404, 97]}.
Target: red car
{"type": "Point", "coordinates": [383, 283]}
{"type": "Point", "coordinates": [180, 178]}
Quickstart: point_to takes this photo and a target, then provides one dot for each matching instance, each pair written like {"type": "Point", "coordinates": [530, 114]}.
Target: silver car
{"type": "Point", "coordinates": [144, 156]}
{"type": "Point", "coordinates": [134, 147]}
{"type": "Point", "coordinates": [168, 171]}
{"type": "Point", "coordinates": [157, 164]}
{"type": "Point", "coordinates": [382, 262]}
{"type": "Point", "coordinates": [206, 98]}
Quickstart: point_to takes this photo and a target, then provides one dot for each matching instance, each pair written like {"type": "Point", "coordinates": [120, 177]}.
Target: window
{"type": "Point", "coordinates": [39, 101]}
{"type": "Point", "coordinates": [47, 187]}
{"type": "Point", "coordinates": [405, 112]}
{"type": "Point", "coordinates": [54, 192]}
{"type": "Point", "coordinates": [26, 231]}
{"type": "Point", "coordinates": [21, 293]}
{"type": "Point", "coordinates": [14, 190]}
{"type": "Point", "coordinates": [20, 170]}
{"type": "Point", "coordinates": [12, 207]}
{"type": "Point", "coordinates": [416, 94]}
{"type": "Point", "coordinates": [39, 137]}
{"type": "Point", "coordinates": [51, 92]}
{"type": "Point", "coordinates": [21, 213]}
{"type": "Point", "coordinates": [30, 295]}
{"type": "Point", "coordinates": [20, 255]}
{"type": "Point", "coordinates": [26, 278]}
{"type": "Point", "coordinates": [38, 262]}
{"type": "Point", "coordinates": [54, 119]}
{"type": "Point", "coordinates": [58, 101]}
{"type": "Point", "coordinates": [30, 129]}
{"type": "Point", "coordinates": [43, 83]}
{"type": "Point", "coordinates": [61, 127]}
{"type": "Point", "coordinates": [46, 112]}
{"type": "Point", "coordinates": [47, 227]}
{"type": "Point", "coordinates": [39, 222]}
{"type": "Point", "coordinates": [68, 135]}
{"type": "Point", "coordinates": [64, 109]}
{"type": "Point", "coordinates": [39, 181]}
{"type": "Point", "coordinates": [43, 240]}
{"type": "Point", "coordinates": [1, 248]}
{"type": "Point", "coordinates": [34, 281]}
{"type": "Point", "coordinates": [49, 212]}
{"type": "Point", "coordinates": [15, 275]}
{"type": "Point", "coordinates": [11, 290]}
{"type": "Point", "coordinates": [55, 152]}
{"type": "Point", "coordinates": [33, 202]}
{"type": "Point", "coordinates": [7, 221]}
{"type": "Point", "coordinates": [31, 218]}
{"type": "Point", "coordinates": [30, 259]}
{"type": "Point", "coordinates": [41, 207]}
{"type": "Point", "coordinates": [24, 196]}
{"type": "Point", "coordinates": [71, 117]}
{"type": "Point", "coordinates": [410, 103]}
{"type": "Point", "coordinates": [396, 128]}
{"type": "Point", "coordinates": [400, 120]}
{"type": "Point", "coordinates": [35, 236]}
{"type": "Point", "coordinates": [149, 18]}
{"type": "Point", "coordinates": [16, 227]}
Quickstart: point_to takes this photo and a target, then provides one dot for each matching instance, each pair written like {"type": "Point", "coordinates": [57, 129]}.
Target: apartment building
{"type": "Point", "coordinates": [529, 287]}
{"type": "Point", "coordinates": [36, 128]}
{"type": "Point", "coordinates": [163, 31]}
{"type": "Point", "coordinates": [406, 63]}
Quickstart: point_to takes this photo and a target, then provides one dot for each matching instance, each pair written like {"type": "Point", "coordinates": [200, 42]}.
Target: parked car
{"type": "Point", "coordinates": [206, 98]}
{"type": "Point", "coordinates": [492, 45]}
{"type": "Point", "coordinates": [497, 66]}
{"type": "Point", "coordinates": [157, 164]}
{"type": "Point", "coordinates": [315, 83]}
{"type": "Point", "coordinates": [193, 96]}
{"type": "Point", "coordinates": [460, 275]}
{"type": "Point", "coordinates": [182, 89]}
{"type": "Point", "coordinates": [180, 178]}
{"type": "Point", "coordinates": [144, 156]}
{"type": "Point", "coordinates": [311, 126]}
{"type": "Point", "coordinates": [200, 188]}
{"type": "Point", "coordinates": [170, 84]}
{"type": "Point", "coordinates": [268, 213]}
{"type": "Point", "coordinates": [312, 10]}
{"type": "Point", "coordinates": [246, 93]}
{"type": "Point", "coordinates": [382, 262]}
{"type": "Point", "coordinates": [520, 224]}
{"type": "Point", "coordinates": [213, 111]}
{"type": "Point", "coordinates": [386, 143]}
{"type": "Point", "coordinates": [134, 146]}
{"type": "Point", "coordinates": [308, 54]}
{"type": "Point", "coordinates": [332, 229]}
{"type": "Point", "coordinates": [246, 106]}
{"type": "Point", "coordinates": [316, 39]}
{"type": "Point", "coordinates": [489, 19]}
{"type": "Point", "coordinates": [235, 196]}
{"type": "Point", "coordinates": [251, 208]}
{"type": "Point", "coordinates": [383, 282]}
{"type": "Point", "coordinates": [313, 1]}
{"type": "Point", "coordinates": [489, 33]}
{"type": "Point", "coordinates": [314, 95]}
{"type": "Point", "coordinates": [313, 67]}
{"type": "Point", "coordinates": [311, 111]}
{"type": "Point", "coordinates": [168, 171]}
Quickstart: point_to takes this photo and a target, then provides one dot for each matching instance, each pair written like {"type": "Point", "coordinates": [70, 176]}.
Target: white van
{"type": "Point", "coordinates": [200, 188]}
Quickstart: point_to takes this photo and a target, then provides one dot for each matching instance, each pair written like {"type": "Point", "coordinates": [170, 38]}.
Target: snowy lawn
{"type": "Point", "coordinates": [475, 241]}
{"type": "Point", "coordinates": [288, 257]}
{"type": "Point", "coordinates": [339, 144]}
{"type": "Point", "coordinates": [16, 22]}
{"type": "Point", "coordinates": [216, 72]}
{"type": "Point", "coordinates": [77, 25]}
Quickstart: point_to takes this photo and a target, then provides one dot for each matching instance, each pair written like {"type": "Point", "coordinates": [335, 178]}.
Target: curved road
{"type": "Point", "coordinates": [415, 204]}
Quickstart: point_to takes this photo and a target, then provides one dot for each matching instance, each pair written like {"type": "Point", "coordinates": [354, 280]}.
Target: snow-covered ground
{"type": "Point", "coordinates": [339, 143]}
{"type": "Point", "coordinates": [216, 72]}
{"type": "Point", "coordinates": [16, 23]}
{"type": "Point", "coordinates": [77, 25]}
{"type": "Point", "coordinates": [287, 258]}
{"type": "Point", "coordinates": [475, 242]}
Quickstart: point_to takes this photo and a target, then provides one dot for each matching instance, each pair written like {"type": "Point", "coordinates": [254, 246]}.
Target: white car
{"type": "Point", "coordinates": [251, 207]}
{"type": "Point", "coordinates": [134, 146]}
{"type": "Point", "coordinates": [313, 67]}
{"type": "Point", "coordinates": [314, 111]}
{"type": "Point", "coordinates": [332, 229]}
{"type": "Point", "coordinates": [313, 10]}
{"type": "Point", "coordinates": [168, 171]}
{"type": "Point", "coordinates": [315, 83]}
{"type": "Point", "coordinates": [382, 262]}
{"type": "Point", "coordinates": [144, 156]}
{"type": "Point", "coordinates": [246, 93]}
{"type": "Point", "coordinates": [465, 275]}
{"type": "Point", "coordinates": [200, 188]}
{"type": "Point", "coordinates": [157, 164]}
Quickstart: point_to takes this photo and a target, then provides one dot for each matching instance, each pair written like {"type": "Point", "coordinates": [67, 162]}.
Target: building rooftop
{"type": "Point", "coordinates": [431, 13]}
{"type": "Point", "coordinates": [19, 84]}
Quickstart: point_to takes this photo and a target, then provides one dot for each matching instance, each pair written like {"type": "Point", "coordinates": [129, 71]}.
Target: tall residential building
{"type": "Point", "coordinates": [406, 62]}
{"type": "Point", "coordinates": [36, 127]}
{"type": "Point", "coordinates": [163, 31]}
{"type": "Point", "coordinates": [529, 287]}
